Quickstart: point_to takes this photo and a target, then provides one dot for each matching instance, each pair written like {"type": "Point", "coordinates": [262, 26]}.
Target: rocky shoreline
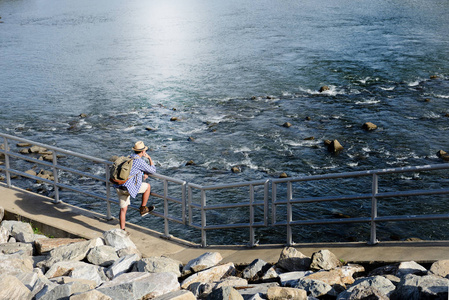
{"type": "Point", "coordinates": [33, 266]}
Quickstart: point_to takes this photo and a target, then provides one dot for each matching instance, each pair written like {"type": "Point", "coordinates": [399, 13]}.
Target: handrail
{"type": "Point", "coordinates": [190, 205]}
{"type": "Point", "coordinates": [374, 195]}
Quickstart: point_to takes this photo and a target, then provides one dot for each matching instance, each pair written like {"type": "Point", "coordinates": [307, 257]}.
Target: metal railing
{"type": "Point", "coordinates": [374, 196]}
{"type": "Point", "coordinates": [192, 210]}
{"type": "Point", "coordinates": [251, 204]}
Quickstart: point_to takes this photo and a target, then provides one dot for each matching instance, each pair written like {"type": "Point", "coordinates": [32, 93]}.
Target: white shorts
{"type": "Point", "coordinates": [125, 198]}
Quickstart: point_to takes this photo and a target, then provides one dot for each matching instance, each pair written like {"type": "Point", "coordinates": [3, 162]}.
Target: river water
{"type": "Point", "coordinates": [233, 72]}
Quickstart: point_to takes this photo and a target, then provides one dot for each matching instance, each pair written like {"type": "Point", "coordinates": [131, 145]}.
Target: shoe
{"type": "Point", "coordinates": [126, 232]}
{"type": "Point", "coordinates": [145, 210]}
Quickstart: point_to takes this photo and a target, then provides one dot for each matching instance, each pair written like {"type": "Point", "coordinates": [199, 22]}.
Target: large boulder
{"type": "Point", "coordinates": [136, 285]}
{"type": "Point", "coordinates": [226, 292]}
{"type": "Point", "coordinates": [13, 264]}
{"type": "Point", "coordinates": [378, 286]}
{"type": "Point", "coordinates": [368, 126]}
{"type": "Point", "coordinates": [71, 252]}
{"type": "Point", "coordinates": [410, 267]}
{"type": "Point", "coordinates": [425, 287]}
{"type": "Point", "coordinates": [21, 231]}
{"type": "Point", "coordinates": [158, 265]}
{"type": "Point", "coordinates": [293, 260]}
{"type": "Point", "coordinates": [102, 255]}
{"type": "Point", "coordinates": [324, 260]}
{"type": "Point", "coordinates": [122, 265]}
{"type": "Point", "coordinates": [333, 146]}
{"type": "Point", "coordinates": [315, 288]}
{"type": "Point", "coordinates": [282, 293]}
{"type": "Point", "coordinates": [210, 275]}
{"type": "Point", "coordinates": [440, 268]}
{"type": "Point", "coordinates": [11, 248]}
{"type": "Point", "coordinates": [118, 239]}
{"type": "Point", "coordinates": [204, 261]}
{"type": "Point", "coordinates": [256, 269]}
{"type": "Point", "coordinates": [13, 288]}
{"type": "Point", "coordinates": [44, 246]}
{"type": "Point", "coordinates": [75, 269]}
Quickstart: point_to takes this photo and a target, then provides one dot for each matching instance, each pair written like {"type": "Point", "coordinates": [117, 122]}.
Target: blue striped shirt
{"type": "Point", "coordinates": [134, 182]}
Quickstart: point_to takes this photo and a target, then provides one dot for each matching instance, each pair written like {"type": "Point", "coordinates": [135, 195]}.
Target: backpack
{"type": "Point", "coordinates": [120, 169]}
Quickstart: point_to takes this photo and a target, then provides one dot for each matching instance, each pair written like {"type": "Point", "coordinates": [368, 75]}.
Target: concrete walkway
{"type": "Point", "coordinates": [64, 220]}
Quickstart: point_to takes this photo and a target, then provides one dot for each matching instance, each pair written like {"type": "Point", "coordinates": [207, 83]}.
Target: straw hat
{"type": "Point", "coordinates": [140, 146]}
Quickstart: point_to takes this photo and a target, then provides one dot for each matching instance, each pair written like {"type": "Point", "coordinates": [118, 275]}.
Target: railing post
{"type": "Point", "coordinates": [166, 230]}
{"type": "Point", "coordinates": [289, 213]}
{"type": "Point", "coordinates": [203, 219]}
{"type": "Point", "coordinates": [183, 199]}
{"type": "Point", "coordinates": [251, 216]}
{"type": "Point", "coordinates": [273, 203]}
{"type": "Point", "coordinates": [55, 177]}
{"type": "Point", "coordinates": [108, 193]}
{"type": "Point", "coordinates": [189, 204]}
{"type": "Point", "coordinates": [265, 202]}
{"type": "Point", "coordinates": [7, 174]}
{"type": "Point", "coordinates": [375, 187]}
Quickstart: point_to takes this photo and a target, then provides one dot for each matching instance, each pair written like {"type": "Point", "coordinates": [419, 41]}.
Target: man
{"type": "Point", "coordinates": [135, 185]}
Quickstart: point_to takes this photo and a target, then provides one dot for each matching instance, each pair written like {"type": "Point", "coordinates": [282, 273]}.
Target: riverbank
{"type": "Point", "coordinates": [33, 266]}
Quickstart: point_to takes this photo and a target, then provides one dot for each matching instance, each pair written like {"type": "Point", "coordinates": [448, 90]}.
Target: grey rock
{"type": "Point", "coordinates": [64, 291]}
{"type": "Point", "coordinates": [292, 278]}
{"type": "Point", "coordinates": [177, 295]}
{"type": "Point", "coordinates": [209, 275]}
{"type": "Point", "coordinates": [118, 239]}
{"type": "Point", "coordinates": [379, 284]}
{"type": "Point", "coordinates": [128, 251]}
{"type": "Point", "coordinates": [71, 252]}
{"type": "Point", "coordinates": [231, 281]}
{"type": "Point", "coordinates": [2, 211]}
{"type": "Point", "coordinates": [10, 248]}
{"type": "Point", "coordinates": [416, 287]}
{"type": "Point", "coordinates": [21, 231]}
{"type": "Point", "coordinates": [13, 288]}
{"type": "Point", "coordinates": [293, 260]}
{"type": "Point", "coordinates": [90, 295]}
{"type": "Point", "coordinates": [225, 293]}
{"type": "Point", "coordinates": [256, 269]}
{"type": "Point", "coordinates": [4, 235]}
{"type": "Point", "coordinates": [122, 265]}
{"type": "Point", "coordinates": [158, 265]}
{"type": "Point", "coordinates": [410, 267]}
{"type": "Point", "coordinates": [75, 269]}
{"type": "Point", "coordinates": [13, 264]}
{"type": "Point", "coordinates": [260, 289]}
{"type": "Point", "coordinates": [102, 255]}
{"type": "Point", "coordinates": [440, 268]}
{"type": "Point", "coordinates": [315, 288]}
{"type": "Point", "coordinates": [324, 260]}
{"type": "Point", "coordinates": [202, 262]}
{"type": "Point", "coordinates": [136, 285]}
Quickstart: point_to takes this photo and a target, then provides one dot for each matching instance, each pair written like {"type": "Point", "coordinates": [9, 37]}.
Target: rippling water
{"type": "Point", "coordinates": [233, 73]}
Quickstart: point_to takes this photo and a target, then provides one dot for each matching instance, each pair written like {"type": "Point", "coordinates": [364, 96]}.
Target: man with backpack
{"type": "Point", "coordinates": [134, 183]}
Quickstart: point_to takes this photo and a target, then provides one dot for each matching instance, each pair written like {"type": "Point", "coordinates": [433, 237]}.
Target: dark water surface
{"type": "Point", "coordinates": [233, 73]}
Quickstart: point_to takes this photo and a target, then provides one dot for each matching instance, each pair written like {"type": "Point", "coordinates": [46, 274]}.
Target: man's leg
{"type": "Point", "coordinates": [122, 217]}
{"type": "Point", "coordinates": [145, 190]}
{"type": "Point", "coordinates": [146, 195]}
{"type": "Point", "coordinates": [124, 201]}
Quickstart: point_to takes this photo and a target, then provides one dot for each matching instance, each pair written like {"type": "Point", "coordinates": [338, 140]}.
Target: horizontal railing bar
{"type": "Point", "coordinates": [228, 226]}
{"type": "Point", "coordinates": [59, 167]}
{"type": "Point", "coordinates": [171, 179]}
{"type": "Point", "coordinates": [175, 200]}
{"type": "Point", "coordinates": [412, 193]}
{"type": "Point", "coordinates": [412, 218]}
{"type": "Point", "coordinates": [324, 199]}
{"type": "Point", "coordinates": [225, 186]}
{"type": "Point", "coordinates": [323, 221]}
{"type": "Point", "coordinates": [60, 150]}
{"type": "Point", "coordinates": [231, 205]}
{"type": "Point", "coordinates": [363, 173]}
{"type": "Point", "coordinates": [365, 196]}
